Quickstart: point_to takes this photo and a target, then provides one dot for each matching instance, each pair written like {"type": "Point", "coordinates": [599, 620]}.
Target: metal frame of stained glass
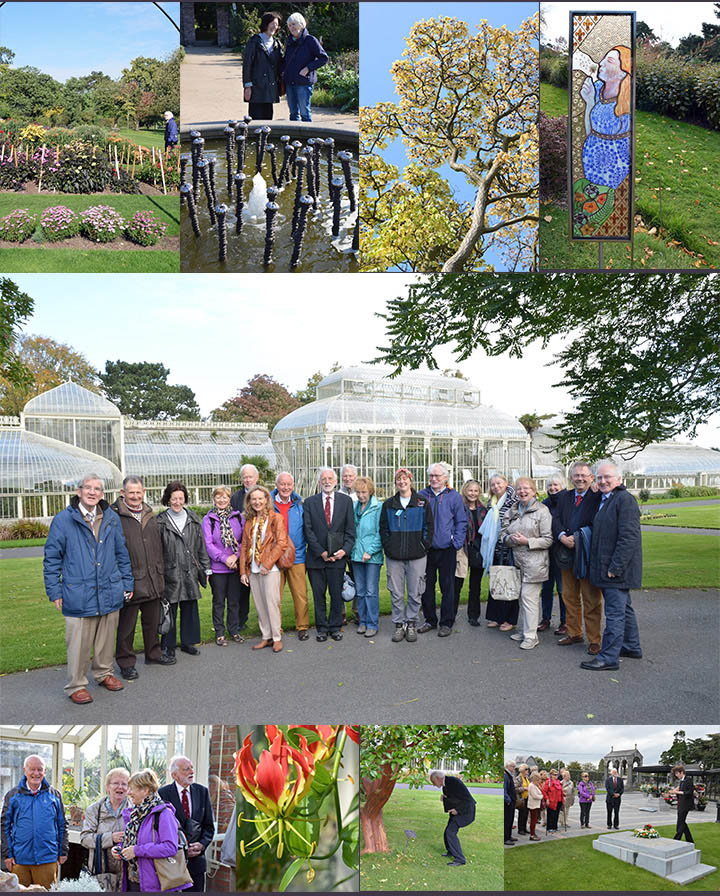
{"type": "Point", "coordinates": [601, 142]}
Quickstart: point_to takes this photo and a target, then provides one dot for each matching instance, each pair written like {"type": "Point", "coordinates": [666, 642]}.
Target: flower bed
{"type": "Point", "coordinates": [145, 229]}
{"type": "Point", "coordinates": [59, 223]}
{"type": "Point", "coordinates": [18, 226]}
{"type": "Point", "coordinates": [101, 223]}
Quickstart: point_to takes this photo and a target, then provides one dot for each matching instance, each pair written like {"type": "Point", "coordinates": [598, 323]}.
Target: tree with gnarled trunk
{"type": "Point", "coordinates": [468, 101]}
{"type": "Point", "coordinates": [410, 751]}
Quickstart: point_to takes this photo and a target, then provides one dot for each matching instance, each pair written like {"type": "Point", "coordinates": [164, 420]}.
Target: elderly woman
{"type": "Point", "coordinates": [151, 832]}
{"type": "Point", "coordinates": [534, 801]}
{"type": "Point", "coordinates": [527, 529]}
{"type": "Point", "coordinates": [367, 556]}
{"type": "Point", "coordinates": [469, 557]}
{"type": "Point", "coordinates": [262, 68]}
{"type": "Point", "coordinates": [553, 793]}
{"type": "Point", "coordinates": [502, 613]}
{"type": "Point", "coordinates": [303, 56]}
{"type": "Point", "coordinates": [103, 828]}
{"type": "Point", "coordinates": [568, 787]}
{"type": "Point", "coordinates": [522, 784]}
{"type": "Point", "coordinates": [554, 485]}
{"type": "Point", "coordinates": [263, 542]}
{"type": "Point", "coordinates": [187, 566]}
{"type": "Point", "coordinates": [222, 529]}
{"type": "Point", "coordinates": [586, 797]}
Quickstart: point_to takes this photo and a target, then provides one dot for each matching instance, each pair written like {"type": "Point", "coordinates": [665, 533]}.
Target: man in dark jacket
{"type": "Point", "coordinates": [458, 802]}
{"type": "Point", "coordinates": [329, 526]}
{"type": "Point", "coordinates": [616, 567]}
{"type": "Point", "coordinates": [193, 810]}
{"type": "Point", "coordinates": [684, 792]}
{"type": "Point", "coordinates": [510, 799]}
{"type": "Point", "coordinates": [88, 577]}
{"type": "Point", "coordinates": [142, 538]}
{"type": "Point", "coordinates": [34, 828]}
{"type": "Point", "coordinates": [614, 789]}
{"type": "Point", "coordinates": [576, 508]}
{"type": "Point", "coordinates": [406, 533]}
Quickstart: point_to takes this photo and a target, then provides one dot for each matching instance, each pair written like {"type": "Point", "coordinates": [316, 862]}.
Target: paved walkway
{"type": "Point", "coordinates": [476, 675]}
{"type": "Point", "coordinates": [702, 503]}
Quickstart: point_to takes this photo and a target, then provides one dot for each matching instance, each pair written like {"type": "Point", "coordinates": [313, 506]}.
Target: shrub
{"type": "Point", "coordinates": [83, 168]}
{"type": "Point", "coordinates": [28, 529]}
{"type": "Point", "coordinates": [145, 229]}
{"type": "Point", "coordinates": [101, 223]}
{"type": "Point", "coordinates": [32, 133]}
{"type": "Point", "coordinates": [342, 86]}
{"type": "Point", "coordinates": [59, 223]}
{"type": "Point", "coordinates": [58, 136]}
{"type": "Point", "coordinates": [553, 158]}
{"type": "Point", "coordinates": [91, 133]}
{"type": "Point", "coordinates": [10, 128]}
{"type": "Point", "coordinates": [18, 226]}
{"type": "Point", "coordinates": [693, 491]}
{"type": "Point", "coordinates": [13, 176]}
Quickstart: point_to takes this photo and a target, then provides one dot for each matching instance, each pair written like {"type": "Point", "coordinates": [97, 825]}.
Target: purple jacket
{"type": "Point", "coordinates": [217, 551]}
{"type": "Point", "coordinates": [449, 517]}
{"type": "Point", "coordinates": [165, 845]}
{"type": "Point", "coordinates": [586, 792]}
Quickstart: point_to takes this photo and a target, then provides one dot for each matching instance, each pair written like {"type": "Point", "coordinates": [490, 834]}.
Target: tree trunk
{"type": "Point", "coordinates": [377, 793]}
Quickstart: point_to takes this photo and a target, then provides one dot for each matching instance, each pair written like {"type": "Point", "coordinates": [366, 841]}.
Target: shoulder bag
{"type": "Point", "coordinates": [172, 871]}
{"type": "Point", "coordinates": [505, 579]}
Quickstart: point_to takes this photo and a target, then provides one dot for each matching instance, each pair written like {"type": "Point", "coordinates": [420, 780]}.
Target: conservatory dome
{"type": "Point", "coordinates": [70, 400]}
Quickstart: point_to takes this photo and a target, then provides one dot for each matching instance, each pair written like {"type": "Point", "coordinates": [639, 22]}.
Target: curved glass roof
{"type": "Point", "coordinates": [673, 457]}
{"type": "Point", "coordinates": [70, 400]}
{"type": "Point", "coordinates": [177, 453]}
{"type": "Point", "coordinates": [33, 463]}
{"type": "Point", "coordinates": [417, 386]}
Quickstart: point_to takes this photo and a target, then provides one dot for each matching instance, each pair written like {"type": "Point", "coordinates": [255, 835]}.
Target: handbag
{"type": "Point", "coordinates": [172, 870]}
{"type": "Point", "coordinates": [165, 617]}
{"type": "Point", "coordinates": [348, 592]}
{"type": "Point", "coordinates": [287, 558]}
{"type": "Point", "coordinates": [505, 580]}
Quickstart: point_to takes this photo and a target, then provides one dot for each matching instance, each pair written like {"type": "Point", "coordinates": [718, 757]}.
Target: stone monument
{"type": "Point", "coordinates": [675, 860]}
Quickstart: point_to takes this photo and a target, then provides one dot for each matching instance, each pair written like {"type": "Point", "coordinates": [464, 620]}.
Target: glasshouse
{"type": "Point", "coordinates": [78, 758]}
{"type": "Point", "coordinates": [363, 417]}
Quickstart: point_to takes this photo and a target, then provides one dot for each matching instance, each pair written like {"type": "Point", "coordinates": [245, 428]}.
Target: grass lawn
{"type": "Point", "coordinates": [694, 517]}
{"type": "Point", "coordinates": [22, 543]}
{"type": "Point", "coordinates": [674, 165]}
{"type": "Point", "coordinates": [421, 866]}
{"type": "Point", "coordinates": [144, 137]}
{"type": "Point", "coordinates": [89, 261]}
{"type": "Point", "coordinates": [573, 864]}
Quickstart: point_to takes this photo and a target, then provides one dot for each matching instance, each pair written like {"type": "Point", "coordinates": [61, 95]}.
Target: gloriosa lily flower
{"type": "Point", "coordinates": [323, 748]}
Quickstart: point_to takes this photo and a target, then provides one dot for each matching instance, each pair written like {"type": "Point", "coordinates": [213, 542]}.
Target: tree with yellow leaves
{"type": "Point", "coordinates": [469, 101]}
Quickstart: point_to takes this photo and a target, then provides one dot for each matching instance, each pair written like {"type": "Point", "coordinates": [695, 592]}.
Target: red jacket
{"type": "Point", "coordinates": [553, 793]}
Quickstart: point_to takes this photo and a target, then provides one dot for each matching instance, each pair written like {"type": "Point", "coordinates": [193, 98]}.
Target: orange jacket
{"type": "Point", "coordinates": [273, 545]}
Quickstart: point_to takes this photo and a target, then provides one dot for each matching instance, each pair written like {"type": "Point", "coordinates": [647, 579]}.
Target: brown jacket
{"type": "Point", "coordinates": [145, 549]}
{"type": "Point", "coordinates": [272, 547]}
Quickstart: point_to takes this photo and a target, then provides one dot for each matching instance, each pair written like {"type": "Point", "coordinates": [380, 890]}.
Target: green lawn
{"type": "Point", "coordinates": [167, 208]}
{"type": "Point", "coordinates": [674, 165]}
{"type": "Point", "coordinates": [693, 517]}
{"type": "Point", "coordinates": [22, 543]}
{"type": "Point", "coordinates": [421, 866]}
{"type": "Point", "coordinates": [679, 560]}
{"type": "Point", "coordinates": [144, 137]}
{"type": "Point", "coordinates": [572, 864]}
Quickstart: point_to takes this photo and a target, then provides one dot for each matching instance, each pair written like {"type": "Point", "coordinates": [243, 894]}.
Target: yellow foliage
{"type": "Point", "coordinates": [32, 133]}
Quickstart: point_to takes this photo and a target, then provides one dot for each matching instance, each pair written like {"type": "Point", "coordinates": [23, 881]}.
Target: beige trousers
{"type": "Point", "coordinates": [295, 577]}
{"type": "Point", "coordinates": [44, 875]}
{"type": "Point", "coordinates": [582, 599]}
{"type": "Point", "coordinates": [87, 636]}
{"type": "Point", "coordinates": [266, 594]}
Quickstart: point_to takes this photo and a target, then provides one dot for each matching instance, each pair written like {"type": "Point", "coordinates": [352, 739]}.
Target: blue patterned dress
{"type": "Point", "coordinates": [606, 151]}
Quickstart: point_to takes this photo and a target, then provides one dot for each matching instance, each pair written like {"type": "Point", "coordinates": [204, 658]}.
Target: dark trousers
{"type": "Point", "coordinates": [522, 818]}
{"type": "Point", "coordinates": [546, 592]}
{"type": "Point", "coordinates": [509, 818]}
{"type": "Point", "coordinates": [260, 111]}
{"type": "Point", "coordinates": [534, 813]}
{"type": "Point", "coordinates": [613, 812]}
{"type": "Point", "coordinates": [450, 835]}
{"type": "Point", "coordinates": [440, 565]}
{"type": "Point", "coordinates": [327, 579]}
{"type": "Point", "coordinates": [150, 621]}
{"type": "Point", "coordinates": [243, 606]}
{"type": "Point", "coordinates": [682, 827]}
{"type": "Point", "coordinates": [189, 625]}
{"type": "Point", "coordinates": [225, 587]}
{"type": "Point", "coordinates": [473, 604]}
{"type": "Point", "coordinates": [585, 814]}
{"type": "Point", "coordinates": [196, 869]}
{"type": "Point", "coordinates": [552, 817]}
{"type": "Point", "coordinates": [621, 628]}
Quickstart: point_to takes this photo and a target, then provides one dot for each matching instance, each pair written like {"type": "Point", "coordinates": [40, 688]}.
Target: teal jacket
{"type": "Point", "coordinates": [367, 532]}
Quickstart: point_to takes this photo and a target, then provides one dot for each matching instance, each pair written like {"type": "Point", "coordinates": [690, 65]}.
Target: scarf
{"type": "Point", "coordinates": [137, 816]}
{"type": "Point", "coordinates": [227, 536]}
{"type": "Point", "coordinates": [257, 533]}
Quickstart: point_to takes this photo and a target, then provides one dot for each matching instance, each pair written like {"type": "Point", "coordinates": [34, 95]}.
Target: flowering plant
{"type": "Point", "coordinates": [647, 832]}
{"type": "Point", "coordinates": [101, 223]}
{"type": "Point", "coordinates": [17, 226]}
{"type": "Point", "coordinates": [145, 229]}
{"type": "Point", "coordinates": [59, 223]}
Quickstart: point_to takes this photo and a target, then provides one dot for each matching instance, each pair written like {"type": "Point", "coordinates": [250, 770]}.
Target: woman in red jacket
{"type": "Point", "coordinates": [553, 793]}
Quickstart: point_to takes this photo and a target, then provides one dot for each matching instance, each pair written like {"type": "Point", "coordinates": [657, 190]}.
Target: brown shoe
{"type": "Point", "coordinates": [571, 639]}
{"type": "Point", "coordinates": [112, 683]}
{"type": "Point", "coordinates": [277, 646]}
{"type": "Point", "coordinates": [261, 644]}
{"type": "Point", "coordinates": [82, 696]}
{"type": "Point", "coordinates": [561, 629]}
{"type": "Point", "coordinates": [545, 624]}
{"type": "Point", "coordinates": [594, 649]}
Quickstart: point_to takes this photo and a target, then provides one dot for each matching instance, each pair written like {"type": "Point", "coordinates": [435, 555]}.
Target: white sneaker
{"type": "Point", "coordinates": [528, 645]}
{"type": "Point", "coordinates": [517, 636]}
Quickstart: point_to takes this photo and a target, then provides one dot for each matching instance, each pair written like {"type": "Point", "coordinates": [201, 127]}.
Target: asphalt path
{"type": "Point", "coordinates": [477, 675]}
{"type": "Point", "coordinates": [671, 504]}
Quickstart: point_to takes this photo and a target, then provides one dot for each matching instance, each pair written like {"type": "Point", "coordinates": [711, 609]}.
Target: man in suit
{"type": "Point", "coordinates": [329, 525]}
{"type": "Point", "coordinates": [684, 793]}
{"type": "Point", "coordinates": [614, 789]}
{"type": "Point", "coordinates": [616, 567]}
{"type": "Point", "coordinates": [193, 810]}
{"type": "Point", "coordinates": [510, 798]}
{"type": "Point", "coordinates": [460, 806]}
{"type": "Point", "coordinates": [576, 508]}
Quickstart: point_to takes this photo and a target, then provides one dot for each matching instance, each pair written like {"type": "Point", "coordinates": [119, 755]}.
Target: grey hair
{"type": "Point", "coordinates": [176, 760]}
{"type": "Point", "coordinates": [249, 467]}
{"type": "Point", "coordinates": [284, 473]}
{"type": "Point", "coordinates": [325, 470]}
{"type": "Point", "coordinates": [348, 467]}
{"type": "Point", "coordinates": [608, 462]}
{"type": "Point", "coordinates": [33, 756]}
{"type": "Point", "coordinates": [556, 477]}
{"type": "Point", "coordinates": [436, 773]}
{"type": "Point", "coordinates": [443, 466]}
{"type": "Point", "coordinates": [297, 19]}
{"type": "Point", "coordinates": [510, 762]}
{"type": "Point", "coordinates": [133, 480]}
{"type": "Point", "coordinates": [91, 477]}
{"type": "Point", "coordinates": [580, 463]}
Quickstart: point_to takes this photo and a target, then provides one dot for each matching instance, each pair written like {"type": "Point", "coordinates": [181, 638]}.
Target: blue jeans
{"type": "Point", "coordinates": [298, 100]}
{"type": "Point", "coordinates": [621, 629]}
{"type": "Point", "coordinates": [546, 594]}
{"type": "Point", "coordinates": [367, 587]}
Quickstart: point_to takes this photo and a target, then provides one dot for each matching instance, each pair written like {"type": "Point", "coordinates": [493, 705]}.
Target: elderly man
{"type": "Point", "coordinates": [171, 131]}
{"type": "Point", "coordinates": [329, 526]}
{"type": "Point", "coordinates": [250, 476]}
{"type": "Point", "coordinates": [510, 799]}
{"type": "Point", "coordinates": [34, 828]}
{"type": "Point", "coordinates": [88, 577]}
{"type": "Point", "coordinates": [576, 509]}
{"type": "Point", "coordinates": [614, 789]}
{"type": "Point", "coordinates": [348, 478]}
{"type": "Point", "coordinates": [142, 538]}
{"type": "Point", "coordinates": [616, 567]}
{"type": "Point", "coordinates": [449, 527]}
{"type": "Point", "coordinates": [458, 802]}
{"type": "Point", "coordinates": [194, 813]}
{"type": "Point", "coordinates": [289, 505]}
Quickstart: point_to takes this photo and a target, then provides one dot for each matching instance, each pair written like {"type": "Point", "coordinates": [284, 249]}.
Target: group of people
{"type": "Point", "coordinates": [125, 832]}
{"type": "Point", "coordinates": [269, 69]}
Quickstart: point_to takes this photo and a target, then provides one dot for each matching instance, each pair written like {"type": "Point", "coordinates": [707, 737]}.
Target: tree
{"type": "Point", "coordinates": [678, 751]}
{"type": "Point", "coordinates": [141, 390]}
{"type": "Point", "coordinates": [533, 422]}
{"type": "Point", "coordinates": [6, 56]}
{"type": "Point", "coordinates": [410, 751]}
{"type": "Point", "coordinates": [27, 92]}
{"type": "Point", "coordinates": [643, 32]}
{"type": "Point", "coordinates": [142, 71]}
{"type": "Point", "coordinates": [166, 85]}
{"type": "Point", "coordinates": [705, 751]}
{"type": "Point", "coordinates": [267, 474]}
{"type": "Point", "coordinates": [308, 394]}
{"type": "Point", "coordinates": [469, 101]}
{"type": "Point", "coordinates": [49, 364]}
{"type": "Point", "coordinates": [641, 361]}
{"type": "Point", "coordinates": [16, 307]}
{"type": "Point", "coordinates": [262, 400]}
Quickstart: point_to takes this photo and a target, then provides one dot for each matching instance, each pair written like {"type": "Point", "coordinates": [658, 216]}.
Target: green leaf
{"type": "Point", "coordinates": [290, 873]}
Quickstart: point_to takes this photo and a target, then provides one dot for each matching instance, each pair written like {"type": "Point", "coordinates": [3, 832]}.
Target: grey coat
{"type": "Point", "coordinates": [186, 557]}
{"type": "Point", "coordinates": [99, 820]}
{"type": "Point", "coordinates": [536, 525]}
{"type": "Point", "coordinates": [616, 544]}
{"type": "Point", "coordinates": [262, 70]}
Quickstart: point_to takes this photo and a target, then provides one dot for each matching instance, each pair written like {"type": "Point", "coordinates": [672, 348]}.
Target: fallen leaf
{"type": "Point", "coordinates": [590, 716]}
{"type": "Point", "coordinates": [616, 680]}
{"type": "Point", "coordinates": [547, 218]}
{"type": "Point", "coordinates": [340, 684]}
{"type": "Point", "coordinates": [403, 702]}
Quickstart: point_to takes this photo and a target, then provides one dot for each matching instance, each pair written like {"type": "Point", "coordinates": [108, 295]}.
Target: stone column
{"type": "Point", "coordinates": [187, 24]}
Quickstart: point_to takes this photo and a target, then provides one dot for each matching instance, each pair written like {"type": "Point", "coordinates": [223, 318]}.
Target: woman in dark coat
{"type": "Point", "coordinates": [262, 67]}
{"type": "Point", "coordinates": [187, 566]}
{"type": "Point", "coordinates": [502, 614]}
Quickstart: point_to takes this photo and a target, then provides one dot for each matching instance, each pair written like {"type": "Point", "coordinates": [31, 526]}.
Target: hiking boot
{"type": "Point", "coordinates": [399, 632]}
{"type": "Point", "coordinates": [411, 633]}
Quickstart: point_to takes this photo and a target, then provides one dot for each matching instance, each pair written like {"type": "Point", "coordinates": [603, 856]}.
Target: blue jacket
{"type": "Point", "coordinates": [406, 532]}
{"type": "Point", "coordinates": [305, 52]}
{"type": "Point", "coordinates": [367, 532]}
{"type": "Point", "coordinates": [33, 827]}
{"type": "Point", "coordinates": [449, 517]}
{"type": "Point", "coordinates": [90, 576]}
{"type": "Point", "coordinates": [171, 132]}
{"type": "Point", "coordinates": [296, 530]}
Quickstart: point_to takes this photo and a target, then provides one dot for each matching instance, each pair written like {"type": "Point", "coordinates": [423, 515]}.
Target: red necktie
{"type": "Point", "coordinates": [185, 803]}
{"type": "Point", "coordinates": [578, 499]}
{"type": "Point", "coordinates": [327, 510]}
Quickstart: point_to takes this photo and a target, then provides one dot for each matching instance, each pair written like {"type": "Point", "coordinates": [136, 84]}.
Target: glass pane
{"type": "Point", "coordinates": [14, 753]}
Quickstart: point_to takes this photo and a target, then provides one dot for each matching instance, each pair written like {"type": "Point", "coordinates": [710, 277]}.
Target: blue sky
{"type": "Point", "coordinates": [67, 40]}
{"type": "Point", "coordinates": [383, 29]}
